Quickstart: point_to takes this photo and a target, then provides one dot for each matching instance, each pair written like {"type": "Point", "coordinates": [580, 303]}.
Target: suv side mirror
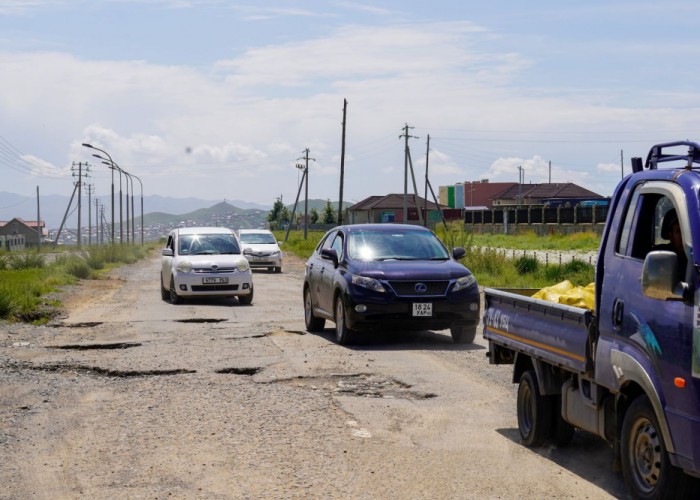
{"type": "Point", "coordinates": [330, 254]}
{"type": "Point", "coordinates": [167, 252]}
{"type": "Point", "coordinates": [458, 253]}
{"type": "Point", "coordinates": [659, 276]}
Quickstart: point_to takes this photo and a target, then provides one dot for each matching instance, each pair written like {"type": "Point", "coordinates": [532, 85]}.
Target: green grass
{"type": "Point", "coordinates": [492, 268]}
{"type": "Point", "coordinates": [27, 281]}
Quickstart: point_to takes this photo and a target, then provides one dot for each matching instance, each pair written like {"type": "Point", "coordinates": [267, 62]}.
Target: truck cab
{"type": "Point", "coordinates": [647, 307]}
{"type": "Point", "coordinates": [629, 371]}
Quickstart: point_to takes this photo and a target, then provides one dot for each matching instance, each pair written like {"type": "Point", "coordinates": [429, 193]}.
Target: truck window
{"type": "Point", "coordinates": [648, 224]}
{"type": "Point", "coordinates": [628, 221]}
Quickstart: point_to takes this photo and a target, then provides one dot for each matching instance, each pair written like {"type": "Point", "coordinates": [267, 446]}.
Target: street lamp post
{"type": "Point", "coordinates": [110, 160]}
{"type": "Point", "coordinates": [132, 198]}
{"type": "Point", "coordinates": [111, 164]}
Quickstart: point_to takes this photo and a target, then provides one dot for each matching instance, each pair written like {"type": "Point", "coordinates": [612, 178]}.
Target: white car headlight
{"type": "Point", "coordinates": [184, 267]}
{"type": "Point", "coordinates": [242, 266]}
{"type": "Point", "coordinates": [464, 282]}
{"type": "Point", "coordinates": [370, 283]}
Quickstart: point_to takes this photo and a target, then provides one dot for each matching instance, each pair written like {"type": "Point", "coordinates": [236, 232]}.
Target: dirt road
{"type": "Point", "coordinates": [129, 396]}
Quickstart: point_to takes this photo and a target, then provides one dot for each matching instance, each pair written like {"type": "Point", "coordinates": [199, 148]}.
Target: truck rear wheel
{"type": "Point", "coordinates": [645, 463]}
{"type": "Point", "coordinates": [534, 411]}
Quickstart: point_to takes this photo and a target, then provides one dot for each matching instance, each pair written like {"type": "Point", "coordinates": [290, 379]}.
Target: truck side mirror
{"type": "Point", "coordinates": [659, 276]}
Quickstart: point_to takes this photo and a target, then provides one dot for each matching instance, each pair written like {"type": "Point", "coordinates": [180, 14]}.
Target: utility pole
{"type": "Point", "coordinates": [306, 191]}
{"type": "Point", "coordinates": [79, 188]}
{"type": "Point", "coordinates": [622, 167]}
{"type": "Point", "coordinates": [415, 190]}
{"type": "Point", "coordinates": [521, 179]}
{"type": "Point", "coordinates": [425, 198]}
{"type": "Point", "coordinates": [38, 222]}
{"type": "Point", "coordinates": [406, 136]}
{"type": "Point", "coordinates": [342, 165]}
{"type": "Point", "coordinates": [90, 188]}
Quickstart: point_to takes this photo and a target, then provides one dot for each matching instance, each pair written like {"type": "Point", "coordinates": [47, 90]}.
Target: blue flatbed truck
{"type": "Point", "coordinates": [629, 371]}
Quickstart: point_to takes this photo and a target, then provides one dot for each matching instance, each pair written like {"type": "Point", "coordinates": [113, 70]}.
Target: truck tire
{"type": "Point", "coordinates": [534, 411]}
{"type": "Point", "coordinates": [646, 466]}
{"type": "Point", "coordinates": [463, 334]}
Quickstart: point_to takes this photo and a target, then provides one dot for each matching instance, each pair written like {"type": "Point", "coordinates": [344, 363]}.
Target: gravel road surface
{"type": "Point", "coordinates": [128, 396]}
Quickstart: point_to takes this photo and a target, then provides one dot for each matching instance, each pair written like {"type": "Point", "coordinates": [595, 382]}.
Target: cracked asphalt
{"type": "Point", "coordinates": [128, 396]}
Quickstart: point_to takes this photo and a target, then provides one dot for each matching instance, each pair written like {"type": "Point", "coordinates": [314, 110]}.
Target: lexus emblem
{"type": "Point", "coordinates": [421, 288]}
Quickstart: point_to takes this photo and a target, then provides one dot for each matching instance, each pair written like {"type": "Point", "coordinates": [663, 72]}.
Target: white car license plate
{"type": "Point", "coordinates": [214, 281]}
{"type": "Point", "coordinates": [422, 309]}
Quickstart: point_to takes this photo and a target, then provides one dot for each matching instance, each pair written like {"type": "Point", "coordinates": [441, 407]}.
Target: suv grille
{"type": "Point", "coordinates": [408, 288]}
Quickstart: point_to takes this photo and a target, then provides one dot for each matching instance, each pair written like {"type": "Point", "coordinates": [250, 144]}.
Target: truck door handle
{"type": "Point", "coordinates": [618, 312]}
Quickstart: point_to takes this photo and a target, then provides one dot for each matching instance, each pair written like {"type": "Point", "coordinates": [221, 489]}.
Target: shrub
{"type": "Point", "coordinates": [526, 265]}
{"type": "Point", "coordinates": [6, 305]}
{"type": "Point", "coordinates": [79, 268]}
{"type": "Point", "coordinates": [26, 261]}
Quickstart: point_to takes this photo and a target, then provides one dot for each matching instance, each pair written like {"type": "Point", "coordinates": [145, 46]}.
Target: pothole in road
{"type": "Point", "coordinates": [200, 320]}
{"type": "Point", "coordinates": [85, 324]}
{"type": "Point", "coordinates": [107, 372]}
{"type": "Point", "coordinates": [362, 385]}
{"type": "Point", "coordinates": [239, 371]}
{"type": "Point", "coordinates": [89, 347]}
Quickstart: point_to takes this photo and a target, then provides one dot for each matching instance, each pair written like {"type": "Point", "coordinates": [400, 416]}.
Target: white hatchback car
{"type": "Point", "coordinates": [261, 249]}
{"type": "Point", "coordinates": [204, 262]}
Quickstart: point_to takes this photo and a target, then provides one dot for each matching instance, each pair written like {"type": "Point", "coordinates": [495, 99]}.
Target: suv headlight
{"type": "Point", "coordinates": [184, 267]}
{"type": "Point", "coordinates": [370, 283]}
{"type": "Point", "coordinates": [464, 282]}
{"type": "Point", "coordinates": [242, 266]}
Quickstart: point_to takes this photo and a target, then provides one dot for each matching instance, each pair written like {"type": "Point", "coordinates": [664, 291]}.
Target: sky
{"type": "Point", "coordinates": [220, 100]}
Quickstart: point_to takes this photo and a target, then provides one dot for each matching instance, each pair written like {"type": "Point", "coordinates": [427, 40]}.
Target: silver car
{"type": "Point", "coordinates": [261, 249]}
{"type": "Point", "coordinates": [204, 262]}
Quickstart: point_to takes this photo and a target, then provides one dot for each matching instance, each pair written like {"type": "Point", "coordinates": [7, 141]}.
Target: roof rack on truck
{"type": "Point", "coordinates": [656, 155]}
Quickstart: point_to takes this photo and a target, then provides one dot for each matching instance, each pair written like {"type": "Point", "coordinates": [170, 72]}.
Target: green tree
{"type": "Point", "coordinates": [329, 213]}
{"type": "Point", "coordinates": [313, 216]}
{"type": "Point", "coordinates": [279, 215]}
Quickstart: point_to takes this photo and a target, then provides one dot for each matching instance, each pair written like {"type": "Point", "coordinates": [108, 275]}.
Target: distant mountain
{"type": "Point", "coordinates": [53, 207]}
{"type": "Point", "coordinates": [222, 214]}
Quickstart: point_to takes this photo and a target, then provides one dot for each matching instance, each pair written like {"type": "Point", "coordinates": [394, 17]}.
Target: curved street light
{"type": "Point", "coordinates": [142, 221]}
{"type": "Point", "coordinates": [85, 144]}
{"type": "Point", "coordinates": [111, 164]}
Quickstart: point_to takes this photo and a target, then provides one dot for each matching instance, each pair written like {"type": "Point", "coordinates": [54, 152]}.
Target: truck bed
{"type": "Point", "coordinates": [552, 332]}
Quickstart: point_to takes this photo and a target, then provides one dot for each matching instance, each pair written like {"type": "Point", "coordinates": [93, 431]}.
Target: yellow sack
{"type": "Point", "coordinates": [566, 293]}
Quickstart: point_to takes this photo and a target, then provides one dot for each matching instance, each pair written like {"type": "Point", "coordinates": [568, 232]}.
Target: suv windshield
{"type": "Point", "coordinates": [208, 244]}
{"type": "Point", "coordinates": [395, 245]}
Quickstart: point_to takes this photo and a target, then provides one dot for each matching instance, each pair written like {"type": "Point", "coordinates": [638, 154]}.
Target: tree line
{"type": "Point", "coordinates": [280, 216]}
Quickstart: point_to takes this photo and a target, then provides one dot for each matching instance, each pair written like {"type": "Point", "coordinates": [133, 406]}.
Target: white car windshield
{"type": "Point", "coordinates": [208, 244]}
{"type": "Point", "coordinates": [395, 245]}
{"type": "Point", "coordinates": [258, 238]}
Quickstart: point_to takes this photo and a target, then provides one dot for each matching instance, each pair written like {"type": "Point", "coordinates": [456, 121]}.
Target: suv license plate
{"type": "Point", "coordinates": [422, 309]}
{"type": "Point", "coordinates": [214, 281]}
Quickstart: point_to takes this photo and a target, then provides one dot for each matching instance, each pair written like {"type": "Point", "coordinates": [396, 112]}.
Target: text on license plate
{"type": "Point", "coordinates": [422, 309]}
{"type": "Point", "coordinates": [215, 281]}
